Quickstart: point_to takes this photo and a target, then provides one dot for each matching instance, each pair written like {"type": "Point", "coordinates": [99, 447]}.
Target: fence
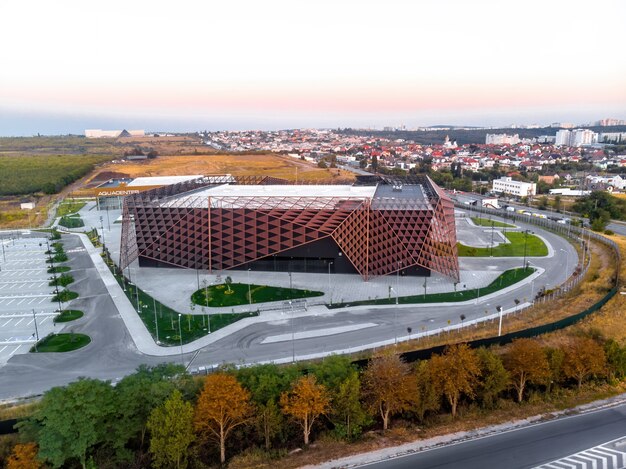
{"type": "Point", "coordinates": [573, 232]}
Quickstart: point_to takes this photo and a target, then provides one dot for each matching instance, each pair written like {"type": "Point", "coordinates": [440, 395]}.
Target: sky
{"type": "Point", "coordinates": [69, 65]}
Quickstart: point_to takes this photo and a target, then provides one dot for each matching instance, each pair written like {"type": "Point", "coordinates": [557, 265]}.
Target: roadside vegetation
{"type": "Point", "coordinates": [68, 315]}
{"type": "Point", "coordinates": [233, 294]}
{"type": "Point", "coordinates": [504, 280]}
{"type": "Point", "coordinates": [488, 222]}
{"type": "Point", "coordinates": [69, 207]}
{"type": "Point", "coordinates": [520, 244]}
{"type": "Point", "coordinates": [61, 343]}
{"type": "Point", "coordinates": [71, 221]}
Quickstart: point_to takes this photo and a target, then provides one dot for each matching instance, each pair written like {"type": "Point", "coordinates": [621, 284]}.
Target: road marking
{"type": "Point", "coordinates": [316, 333]}
{"type": "Point", "coordinates": [605, 456]}
{"type": "Point", "coordinates": [18, 322]}
{"type": "Point", "coordinates": [7, 322]}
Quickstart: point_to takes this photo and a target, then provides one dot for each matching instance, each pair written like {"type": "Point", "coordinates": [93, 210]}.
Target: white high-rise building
{"type": "Point", "coordinates": [576, 137]}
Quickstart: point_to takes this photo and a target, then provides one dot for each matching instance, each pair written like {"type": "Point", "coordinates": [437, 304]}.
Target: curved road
{"type": "Point", "coordinates": [531, 446]}
{"type": "Point", "coordinates": [113, 354]}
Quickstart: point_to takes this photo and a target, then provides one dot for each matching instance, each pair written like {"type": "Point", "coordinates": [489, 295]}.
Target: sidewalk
{"type": "Point", "coordinates": [146, 344]}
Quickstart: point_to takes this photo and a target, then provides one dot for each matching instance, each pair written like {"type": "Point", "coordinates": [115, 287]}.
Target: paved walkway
{"type": "Point", "coordinates": [146, 344]}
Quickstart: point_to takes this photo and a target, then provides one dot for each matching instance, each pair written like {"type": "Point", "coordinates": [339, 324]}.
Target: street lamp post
{"type": "Point", "coordinates": [491, 245]}
{"type": "Point", "coordinates": [290, 285]}
{"type": "Point", "coordinates": [395, 319]}
{"type": "Point", "coordinates": [329, 290]}
{"type": "Point", "coordinates": [102, 230]}
{"type": "Point", "coordinates": [499, 309]}
{"type": "Point", "coordinates": [525, 243]}
{"type": "Point", "coordinates": [249, 293]}
{"type": "Point", "coordinates": [36, 330]}
{"type": "Point", "coordinates": [566, 264]}
{"type": "Point", "coordinates": [293, 335]}
{"type": "Point", "coordinates": [180, 335]}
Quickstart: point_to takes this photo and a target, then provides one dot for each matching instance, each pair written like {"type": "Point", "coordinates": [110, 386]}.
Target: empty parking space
{"type": "Point", "coordinates": [25, 295]}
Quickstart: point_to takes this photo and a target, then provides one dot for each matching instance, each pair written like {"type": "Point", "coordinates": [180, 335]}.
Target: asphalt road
{"type": "Point", "coordinates": [523, 448]}
{"type": "Point", "coordinates": [112, 353]}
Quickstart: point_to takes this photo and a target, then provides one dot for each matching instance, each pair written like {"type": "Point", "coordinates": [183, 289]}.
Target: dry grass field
{"type": "Point", "coordinates": [236, 164]}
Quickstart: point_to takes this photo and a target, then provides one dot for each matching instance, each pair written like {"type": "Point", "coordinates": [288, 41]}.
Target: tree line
{"type": "Point", "coordinates": [162, 417]}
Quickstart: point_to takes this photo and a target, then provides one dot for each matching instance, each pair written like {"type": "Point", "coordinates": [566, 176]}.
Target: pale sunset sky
{"type": "Point", "coordinates": [68, 65]}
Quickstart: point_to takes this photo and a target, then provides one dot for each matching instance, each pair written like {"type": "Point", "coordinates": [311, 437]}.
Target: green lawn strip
{"type": "Point", "coordinates": [67, 208]}
{"type": "Point", "coordinates": [63, 280]}
{"type": "Point", "coordinates": [504, 280]}
{"type": "Point", "coordinates": [64, 296]}
{"type": "Point", "coordinates": [58, 269]}
{"type": "Point", "coordinates": [62, 343]}
{"type": "Point", "coordinates": [486, 222]}
{"type": "Point", "coordinates": [68, 315]}
{"type": "Point", "coordinates": [219, 295]}
{"type": "Point", "coordinates": [535, 247]}
{"type": "Point", "coordinates": [192, 326]}
{"type": "Point", "coordinates": [71, 221]}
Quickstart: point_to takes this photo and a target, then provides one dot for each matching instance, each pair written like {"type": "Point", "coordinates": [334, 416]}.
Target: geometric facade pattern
{"type": "Point", "coordinates": [407, 223]}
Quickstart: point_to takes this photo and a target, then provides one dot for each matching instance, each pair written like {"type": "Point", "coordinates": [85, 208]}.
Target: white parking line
{"type": "Point", "coordinates": [11, 301]}
{"type": "Point", "coordinates": [7, 322]}
{"type": "Point", "coordinates": [16, 349]}
{"type": "Point", "coordinates": [20, 302]}
{"type": "Point", "coordinates": [18, 322]}
{"type": "Point", "coordinates": [2, 349]}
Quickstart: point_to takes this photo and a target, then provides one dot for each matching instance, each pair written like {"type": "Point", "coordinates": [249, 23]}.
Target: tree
{"type": "Point", "coordinates": [374, 163]}
{"type": "Point", "coordinates": [389, 387]}
{"type": "Point", "coordinates": [266, 384]}
{"type": "Point", "coordinates": [494, 377]}
{"type": "Point", "coordinates": [223, 405]}
{"type": "Point", "coordinates": [348, 414]}
{"type": "Point", "coordinates": [23, 456]}
{"type": "Point", "coordinates": [616, 359]}
{"type": "Point", "coordinates": [526, 362]}
{"type": "Point", "coordinates": [138, 394]}
{"type": "Point", "coordinates": [455, 373]}
{"type": "Point", "coordinates": [171, 430]}
{"type": "Point", "coordinates": [305, 402]}
{"type": "Point", "coordinates": [427, 397]}
{"type": "Point", "coordinates": [72, 420]}
{"type": "Point", "coordinates": [268, 421]}
{"type": "Point", "coordinates": [584, 357]}
{"type": "Point", "coordinates": [228, 281]}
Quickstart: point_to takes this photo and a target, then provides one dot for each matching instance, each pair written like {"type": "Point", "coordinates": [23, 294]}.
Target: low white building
{"type": "Point", "coordinates": [507, 185]}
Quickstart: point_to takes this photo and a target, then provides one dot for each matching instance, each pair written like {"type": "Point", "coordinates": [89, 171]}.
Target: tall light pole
{"type": "Point", "coordinates": [249, 294]}
{"type": "Point", "coordinates": [395, 319]}
{"type": "Point", "coordinates": [290, 285]}
{"type": "Point", "coordinates": [102, 230]}
{"type": "Point", "coordinates": [36, 330]}
{"type": "Point", "coordinates": [491, 245]}
{"type": "Point", "coordinates": [499, 309]}
{"type": "Point", "coordinates": [180, 335]}
{"type": "Point", "coordinates": [525, 243]}
{"type": "Point", "coordinates": [293, 335]}
{"type": "Point", "coordinates": [566, 264]}
{"type": "Point", "coordinates": [329, 290]}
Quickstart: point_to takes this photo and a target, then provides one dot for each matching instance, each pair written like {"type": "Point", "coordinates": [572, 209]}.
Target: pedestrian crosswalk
{"type": "Point", "coordinates": [611, 455]}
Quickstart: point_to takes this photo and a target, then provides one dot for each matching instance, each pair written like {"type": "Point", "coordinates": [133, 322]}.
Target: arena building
{"type": "Point", "coordinates": [374, 227]}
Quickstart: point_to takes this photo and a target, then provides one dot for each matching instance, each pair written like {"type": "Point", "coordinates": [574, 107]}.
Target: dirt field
{"type": "Point", "coordinates": [242, 165]}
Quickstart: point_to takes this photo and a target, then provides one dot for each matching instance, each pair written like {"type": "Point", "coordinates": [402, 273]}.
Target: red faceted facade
{"type": "Point", "coordinates": [402, 225]}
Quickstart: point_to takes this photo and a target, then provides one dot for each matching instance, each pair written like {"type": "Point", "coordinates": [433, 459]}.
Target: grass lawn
{"type": "Point", "coordinates": [535, 247]}
{"type": "Point", "coordinates": [504, 280]}
{"type": "Point", "coordinates": [67, 208]}
{"type": "Point", "coordinates": [68, 315]}
{"type": "Point", "coordinates": [486, 222]}
{"type": "Point", "coordinates": [58, 269]}
{"type": "Point", "coordinates": [219, 295]}
{"type": "Point", "coordinates": [71, 221]}
{"type": "Point", "coordinates": [62, 343]}
{"type": "Point", "coordinates": [65, 296]}
{"type": "Point", "coordinates": [192, 326]}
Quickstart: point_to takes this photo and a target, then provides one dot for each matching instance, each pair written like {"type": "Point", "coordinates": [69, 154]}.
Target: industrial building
{"type": "Point", "coordinates": [374, 227]}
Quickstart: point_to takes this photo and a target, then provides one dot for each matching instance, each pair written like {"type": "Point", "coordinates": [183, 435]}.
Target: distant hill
{"type": "Point", "coordinates": [466, 136]}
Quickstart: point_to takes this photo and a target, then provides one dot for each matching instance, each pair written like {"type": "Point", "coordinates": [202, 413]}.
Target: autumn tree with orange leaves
{"type": "Point", "coordinates": [305, 402]}
{"type": "Point", "coordinates": [389, 386]}
{"type": "Point", "coordinates": [526, 362]}
{"type": "Point", "coordinates": [222, 406]}
{"type": "Point", "coordinates": [584, 357]}
{"type": "Point", "coordinates": [455, 373]}
{"type": "Point", "coordinates": [24, 456]}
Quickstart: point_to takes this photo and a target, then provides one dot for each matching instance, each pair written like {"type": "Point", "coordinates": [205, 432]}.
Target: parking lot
{"type": "Point", "coordinates": [25, 296]}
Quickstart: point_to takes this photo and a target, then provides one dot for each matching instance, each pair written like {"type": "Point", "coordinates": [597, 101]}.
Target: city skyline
{"type": "Point", "coordinates": [247, 65]}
